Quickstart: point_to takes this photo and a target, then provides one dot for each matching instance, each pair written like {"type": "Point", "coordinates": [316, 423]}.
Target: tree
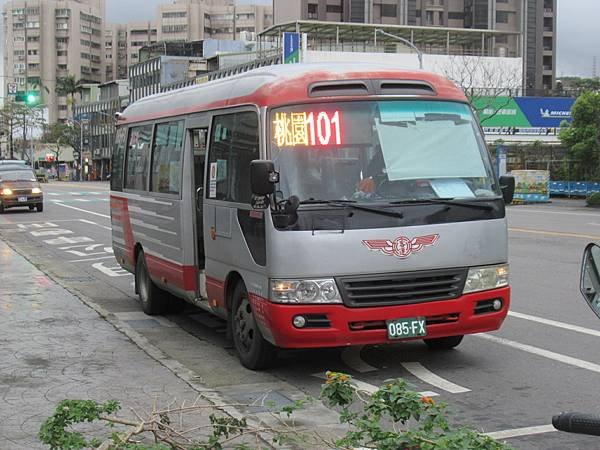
{"type": "Point", "coordinates": [60, 134]}
{"type": "Point", "coordinates": [68, 86]}
{"type": "Point", "coordinates": [18, 117]}
{"type": "Point", "coordinates": [582, 137]}
{"type": "Point", "coordinates": [489, 86]}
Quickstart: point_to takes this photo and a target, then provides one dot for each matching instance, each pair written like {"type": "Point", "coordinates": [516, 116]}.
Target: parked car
{"type": "Point", "coordinates": [20, 188]}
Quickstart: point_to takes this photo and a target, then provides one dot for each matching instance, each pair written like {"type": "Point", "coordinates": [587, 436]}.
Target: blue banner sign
{"type": "Point", "coordinates": [546, 111]}
{"type": "Point", "coordinates": [291, 48]}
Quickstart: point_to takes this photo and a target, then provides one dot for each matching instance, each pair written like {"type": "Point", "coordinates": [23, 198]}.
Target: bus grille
{"type": "Point", "coordinates": [402, 288]}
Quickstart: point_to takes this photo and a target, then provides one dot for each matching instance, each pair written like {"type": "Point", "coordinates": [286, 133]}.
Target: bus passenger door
{"type": "Point", "coordinates": [198, 139]}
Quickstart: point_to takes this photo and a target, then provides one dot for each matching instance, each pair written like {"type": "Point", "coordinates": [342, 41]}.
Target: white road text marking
{"type": "Point", "coordinates": [431, 378]}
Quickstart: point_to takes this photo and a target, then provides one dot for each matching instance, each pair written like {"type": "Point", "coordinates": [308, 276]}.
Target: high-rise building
{"type": "Point", "coordinates": [139, 34]}
{"type": "Point", "coordinates": [534, 19]}
{"type": "Point", "coordinates": [46, 40]}
{"type": "Point", "coordinates": [115, 51]}
{"type": "Point", "coordinates": [191, 20]}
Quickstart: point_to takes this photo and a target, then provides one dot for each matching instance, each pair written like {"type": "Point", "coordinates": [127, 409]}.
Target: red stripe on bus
{"type": "Point", "coordinates": [184, 277]}
{"type": "Point", "coordinates": [215, 289]}
{"type": "Point", "coordinates": [120, 204]}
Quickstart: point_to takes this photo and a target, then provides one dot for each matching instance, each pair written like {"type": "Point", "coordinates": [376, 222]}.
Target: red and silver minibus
{"type": "Point", "coordinates": [314, 205]}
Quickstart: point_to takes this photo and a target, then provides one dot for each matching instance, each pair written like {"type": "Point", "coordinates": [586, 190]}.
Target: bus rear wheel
{"type": "Point", "coordinates": [253, 350]}
{"type": "Point", "coordinates": [445, 343]}
{"type": "Point", "coordinates": [152, 298]}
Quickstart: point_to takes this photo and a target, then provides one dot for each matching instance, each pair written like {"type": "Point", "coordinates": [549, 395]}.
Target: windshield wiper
{"type": "Point", "coordinates": [444, 201]}
{"type": "Point", "coordinates": [353, 204]}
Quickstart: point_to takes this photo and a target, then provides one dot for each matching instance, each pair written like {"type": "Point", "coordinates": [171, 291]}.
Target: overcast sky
{"type": "Point", "coordinates": [578, 30]}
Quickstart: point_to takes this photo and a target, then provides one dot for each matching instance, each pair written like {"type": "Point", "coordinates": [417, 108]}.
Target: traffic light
{"type": "Point", "coordinates": [30, 98]}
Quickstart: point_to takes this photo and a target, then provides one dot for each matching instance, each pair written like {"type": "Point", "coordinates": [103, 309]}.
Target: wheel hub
{"type": "Point", "coordinates": [245, 326]}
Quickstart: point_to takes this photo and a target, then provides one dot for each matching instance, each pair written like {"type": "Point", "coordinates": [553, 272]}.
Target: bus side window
{"type": "Point", "coordinates": [166, 158]}
{"type": "Point", "coordinates": [118, 160]}
{"type": "Point", "coordinates": [138, 158]}
{"type": "Point", "coordinates": [233, 145]}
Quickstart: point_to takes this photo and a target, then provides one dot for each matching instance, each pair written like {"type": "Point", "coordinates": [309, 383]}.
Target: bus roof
{"type": "Point", "coordinates": [280, 85]}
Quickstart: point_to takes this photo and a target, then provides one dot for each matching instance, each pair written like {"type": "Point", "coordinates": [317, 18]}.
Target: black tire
{"type": "Point", "coordinates": [253, 350]}
{"type": "Point", "coordinates": [152, 298]}
{"type": "Point", "coordinates": [40, 207]}
{"type": "Point", "coordinates": [1, 208]}
{"type": "Point", "coordinates": [31, 207]}
{"type": "Point", "coordinates": [445, 343]}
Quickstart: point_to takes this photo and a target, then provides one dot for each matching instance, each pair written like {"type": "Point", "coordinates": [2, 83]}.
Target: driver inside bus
{"type": "Point", "coordinates": [372, 177]}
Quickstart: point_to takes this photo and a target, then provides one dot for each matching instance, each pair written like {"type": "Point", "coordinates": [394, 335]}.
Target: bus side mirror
{"type": "Point", "coordinates": [263, 177]}
{"type": "Point", "coordinates": [507, 186]}
{"type": "Point", "coordinates": [589, 283]}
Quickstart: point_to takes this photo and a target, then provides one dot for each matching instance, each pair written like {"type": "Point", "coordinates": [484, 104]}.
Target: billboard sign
{"type": "Point", "coordinates": [531, 185]}
{"type": "Point", "coordinates": [546, 111]}
{"type": "Point", "coordinates": [523, 112]}
{"type": "Point", "coordinates": [291, 48]}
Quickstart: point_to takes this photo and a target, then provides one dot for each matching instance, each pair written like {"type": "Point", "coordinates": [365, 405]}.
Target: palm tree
{"type": "Point", "coordinates": [68, 86]}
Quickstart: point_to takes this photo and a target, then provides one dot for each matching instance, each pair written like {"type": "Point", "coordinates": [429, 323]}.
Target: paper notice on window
{"type": "Point", "coordinates": [451, 188]}
{"type": "Point", "coordinates": [212, 182]}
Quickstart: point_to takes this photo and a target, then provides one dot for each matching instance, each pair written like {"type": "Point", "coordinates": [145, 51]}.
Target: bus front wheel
{"type": "Point", "coordinates": [445, 343]}
{"type": "Point", "coordinates": [152, 298]}
{"type": "Point", "coordinates": [253, 350]}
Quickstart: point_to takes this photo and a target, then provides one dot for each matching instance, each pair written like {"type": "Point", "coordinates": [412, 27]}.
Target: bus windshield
{"type": "Point", "coordinates": [380, 151]}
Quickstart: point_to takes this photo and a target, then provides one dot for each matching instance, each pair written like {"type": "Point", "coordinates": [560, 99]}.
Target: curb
{"type": "Point", "coordinates": [179, 370]}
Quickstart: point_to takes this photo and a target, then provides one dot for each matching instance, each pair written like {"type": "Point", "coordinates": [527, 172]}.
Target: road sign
{"type": "Point", "coordinates": [12, 88]}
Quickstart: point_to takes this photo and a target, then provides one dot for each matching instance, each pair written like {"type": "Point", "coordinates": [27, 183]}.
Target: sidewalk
{"type": "Point", "coordinates": [53, 347]}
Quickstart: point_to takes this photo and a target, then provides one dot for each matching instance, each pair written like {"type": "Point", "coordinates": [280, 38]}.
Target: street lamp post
{"type": "Point", "coordinates": [405, 41]}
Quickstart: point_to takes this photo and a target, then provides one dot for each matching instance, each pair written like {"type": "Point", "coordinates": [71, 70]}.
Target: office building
{"type": "Point", "coordinates": [46, 40]}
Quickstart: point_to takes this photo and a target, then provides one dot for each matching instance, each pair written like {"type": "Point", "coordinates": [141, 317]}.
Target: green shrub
{"type": "Point", "coordinates": [594, 199]}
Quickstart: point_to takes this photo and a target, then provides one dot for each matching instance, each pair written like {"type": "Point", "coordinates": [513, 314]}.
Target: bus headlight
{"type": "Point", "coordinates": [305, 291]}
{"type": "Point", "coordinates": [6, 191]}
{"type": "Point", "coordinates": [485, 278]}
{"type": "Point", "coordinates": [36, 190]}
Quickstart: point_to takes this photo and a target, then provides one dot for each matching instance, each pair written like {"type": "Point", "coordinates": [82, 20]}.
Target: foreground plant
{"type": "Point", "coordinates": [393, 418]}
{"type": "Point", "coordinates": [397, 418]}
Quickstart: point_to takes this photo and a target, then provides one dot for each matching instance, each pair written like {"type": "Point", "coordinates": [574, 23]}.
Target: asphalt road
{"type": "Point", "coordinates": [543, 361]}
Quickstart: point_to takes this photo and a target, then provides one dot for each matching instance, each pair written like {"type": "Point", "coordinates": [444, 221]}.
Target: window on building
{"type": "Point", "coordinates": [502, 16]}
{"type": "Point", "coordinates": [429, 17]}
{"type": "Point", "coordinates": [234, 143]}
{"type": "Point", "coordinates": [167, 156]}
{"type": "Point", "coordinates": [389, 10]}
{"type": "Point", "coordinates": [19, 53]}
{"type": "Point", "coordinates": [138, 157]}
{"type": "Point", "coordinates": [61, 66]}
{"type": "Point", "coordinates": [62, 25]}
{"type": "Point", "coordinates": [19, 38]}
{"type": "Point", "coordinates": [62, 12]}
{"type": "Point", "coordinates": [33, 66]}
{"type": "Point", "coordinates": [33, 24]}
{"type": "Point", "coordinates": [313, 11]}
{"type": "Point", "coordinates": [334, 9]}
{"type": "Point", "coordinates": [456, 15]}
{"type": "Point", "coordinates": [174, 14]}
{"type": "Point", "coordinates": [32, 52]}
{"type": "Point", "coordinates": [501, 39]}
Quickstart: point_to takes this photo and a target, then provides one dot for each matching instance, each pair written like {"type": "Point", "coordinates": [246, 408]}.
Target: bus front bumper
{"type": "Point", "coordinates": [337, 325]}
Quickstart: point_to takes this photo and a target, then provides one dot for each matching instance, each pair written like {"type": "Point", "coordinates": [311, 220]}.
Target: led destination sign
{"type": "Point", "coordinates": [319, 128]}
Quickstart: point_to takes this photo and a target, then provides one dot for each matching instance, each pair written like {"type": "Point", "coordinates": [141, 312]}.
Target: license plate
{"type": "Point", "coordinates": [406, 328]}
{"type": "Point", "coordinates": [22, 199]}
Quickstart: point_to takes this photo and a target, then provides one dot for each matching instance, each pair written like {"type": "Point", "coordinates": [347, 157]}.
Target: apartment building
{"type": "Point", "coordinates": [535, 19]}
{"type": "Point", "coordinates": [190, 20]}
{"type": "Point", "coordinates": [46, 40]}
{"type": "Point", "coordinates": [115, 51]}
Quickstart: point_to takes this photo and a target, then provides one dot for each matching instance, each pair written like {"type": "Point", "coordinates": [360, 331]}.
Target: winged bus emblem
{"type": "Point", "coordinates": [401, 247]}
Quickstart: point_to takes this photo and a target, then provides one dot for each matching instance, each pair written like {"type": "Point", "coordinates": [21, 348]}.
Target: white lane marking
{"type": "Point", "coordinates": [541, 352]}
{"type": "Point", "coordinates": [25, 225]}
{"type": "Point", "coordinates": [541, 211]}
{"type": "Point", "coordinates": [94, 223]}
{"type": "Point", "coordinates": [93, 259]}
{"type": "Point", "coordinates": [370, 388]}
{"type": "Point", "coordinates": [525, 431]}
{"type": "Point", "coordinates": [52, 232]}
{"type": "Point", "coordinates": [36, 222]}
{"type": "Point", "coordinates": [351, 357]}
{"type": "Point", "coordinates": [82, 200]}
{"type": "Point", "coordinates": [115, 271]}
{"type": "Point", "coordinates": [555, 323]}
{"type": "Point", "coordinates": [431, 378]}
{"type": "Point", "coordinates": [84, 210]}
